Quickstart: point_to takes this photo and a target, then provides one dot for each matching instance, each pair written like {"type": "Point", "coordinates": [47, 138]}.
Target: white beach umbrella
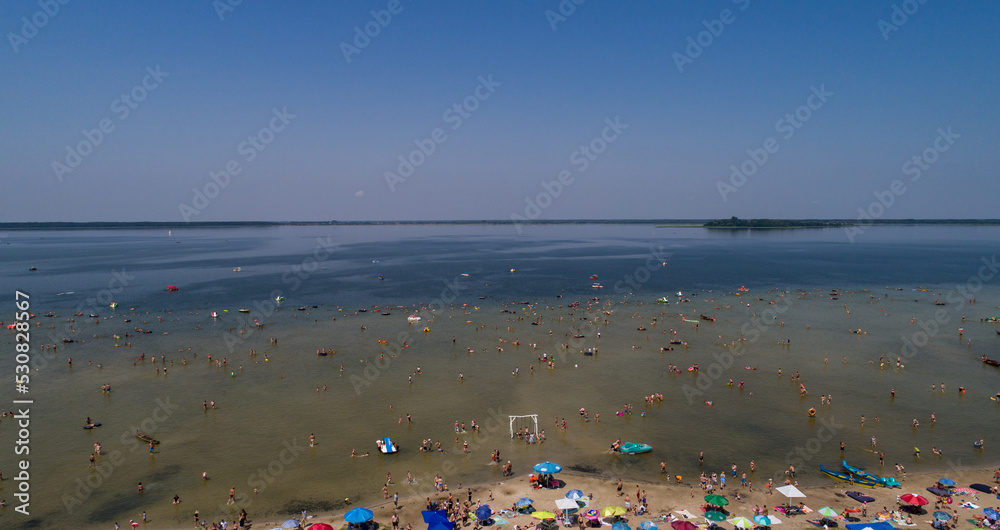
{"type": "Point", "coordinates": [790, 491]}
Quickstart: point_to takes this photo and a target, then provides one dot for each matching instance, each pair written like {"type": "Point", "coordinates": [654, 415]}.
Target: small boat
{"type": "Point", "coordinates": [836, 475]}
{"type": "Point", "coordinates": [991, 362]}
{"type": "Point", "coordinates": [594, 277]}
{"type": "Point", "coordinates": [708, 318]}
{"type": "Point", "coordinates": [94, 315]}
{"type": "Point", "coordinates": [386, 313]}
{"type": "Point", "coordinates": [412, 318]}
{"type": "Point", "coordinates": [385, 446]}
{"type": "Point", "coordinates": [662, 300]}
{"type": "Point", "coordinates": [597, 285]}
{"type": "Point", "coordinates": [238, 269]}
{"type": "Point", "coordinates": [172, 288]}
{"type": "Point", "coordinates": [629, 448]}
{"type": "Point", "coordinates": [215, 314]}
{"type": "Point", "coordinates": [888, 482]}
{"type": "Point", "coordinates": [362, 310]}
{"type": "Point", "coordinates": [146, 438]}
{"type": "Point", "coordinates": [244, 310]}
{"type": "Point", "coordinates": [32, 268]}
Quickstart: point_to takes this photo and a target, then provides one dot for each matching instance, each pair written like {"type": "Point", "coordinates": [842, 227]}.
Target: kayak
{"type": "Point", "coordinates": [847, 478]}
{"type": "Point", "coordinates": [888, 482]}
{"type": "Point", "coordinates": [146, 438]}
{"type": "Point", "coordinates": [630, 448]}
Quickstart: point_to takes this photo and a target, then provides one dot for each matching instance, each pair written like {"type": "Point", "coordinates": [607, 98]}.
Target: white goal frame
{"type": "Point", "coordinates": [534, 420]}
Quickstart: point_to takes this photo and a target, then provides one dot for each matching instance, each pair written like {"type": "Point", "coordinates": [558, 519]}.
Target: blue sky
{"type": "Point", "coordinates": [313, 120]}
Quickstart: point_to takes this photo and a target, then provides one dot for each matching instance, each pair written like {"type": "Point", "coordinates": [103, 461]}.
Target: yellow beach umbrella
{"type": "Point", "coordinates": [611, 511]}
{"type": "Point", "coordinates": [543, 515]}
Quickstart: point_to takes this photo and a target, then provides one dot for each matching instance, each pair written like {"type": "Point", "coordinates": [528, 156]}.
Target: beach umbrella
{"type": "Point", "coordinates": [524, 502]}
{"type": "Point", "coordinates": [620, 526]}
{"type": "Point", "coordinates": [914, 499]}
{"type": "Point", "coordinates": [716, 500]}
{"type": "Point", "coordinates": [790, 491]}
{"type": "Point", "coordinates": [942, 516]}
{"type": "Point", "coordinates": [828, 511]}
{"type": "Point", "coordinates": [713, 515]}
{"type": "Point", "coordinates": [741, 522]}
{"type": "Point", "coordinates": [649, 525]}
{"type": "Point", "coordinates": [543, 515]}
{"type": "Point", "coordinates": [291, 523]}
{"type": "Point", "coordinates": [946, 482]}
{"type": "Point", "coordinates": [547, 468]}
{"type": "Point", "coordinates": [441, 525]}
{"type": "Point", "coordinates": [762, 520]}
{"type": "Point", "coordinates": [431, 515]}
{"type": "Point", "coordinates": [991, 514]}
{"type": "Point", "coordinates": [357, 515]}
{"type": "Point", "coordinates": [567, 504]}
{"type": "Point", "coordinates": [870, 526]}
{"type": "Point", "coordinates": [483, 512]}
{"type": "Point", "coordinates": [320, 526]}
{"type": "Point", "coordinates": [611, 511]}
{"type": "Point", "coordinates": [574, 494]}
{"type": "Point", "coordinates": [683, 525]}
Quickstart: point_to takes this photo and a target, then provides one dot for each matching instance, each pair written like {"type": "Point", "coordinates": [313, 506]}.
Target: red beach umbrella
{"type": "Point", "coordinates": [683, 525]}
{"type": "Point", "coordinates": [320, 526]}
{"type": "Point", "coordinates": [914, 499]}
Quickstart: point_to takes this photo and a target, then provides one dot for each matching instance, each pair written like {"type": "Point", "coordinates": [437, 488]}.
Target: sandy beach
{"type": "Point", "coordinates": [667, 499]}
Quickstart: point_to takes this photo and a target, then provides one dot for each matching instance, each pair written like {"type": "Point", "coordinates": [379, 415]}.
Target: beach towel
{"type": "Point", "coordinates": [684, 513]}
{"type": "Point", "coordinates": [500, 521]}
{"type": "Point", "coordinates": [969, 505]}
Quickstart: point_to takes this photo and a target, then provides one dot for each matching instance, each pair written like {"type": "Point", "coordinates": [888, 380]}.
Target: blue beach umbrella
{"type": "Point", "coordinates": [620, 526]}
{"type": "Point", "coordinates": [762, 520]}
{"type": "Point", "coordinates": [358, 515]}
{"type": "Point", "coordinates": [431, 515]}
{"type": "Point", "coordinates": [648, 525]}
{"type": "Point", "coordinates": [547, 468]}
{"type": "Point", "coordinates": [574, 494]}
{"type": "Point", "coordinates": [524, 502]}
{"type": "Point", "coordinates": [991, 513]}
{"type": "Point", "coordinates": [291, 523]}
{"type": "Point", "coordinates": [484, 512]}
{"type": "Point", "coordinates": [441, 525]}
{"type": "Point", "coordinates": [946, 482]}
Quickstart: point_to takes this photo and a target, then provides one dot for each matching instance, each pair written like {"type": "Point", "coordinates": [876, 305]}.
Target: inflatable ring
{"type": "Point", "coordinates": [949, 499]}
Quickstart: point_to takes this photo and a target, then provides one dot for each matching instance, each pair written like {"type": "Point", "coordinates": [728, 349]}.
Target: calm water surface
{"type": "Point", "coordinates": [268, 403]}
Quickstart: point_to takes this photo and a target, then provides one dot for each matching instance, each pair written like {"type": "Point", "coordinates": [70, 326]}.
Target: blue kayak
{"type": "Point", "coordinates": [888, 482]}
{"type": "Point", "coordinates": [630, 448]}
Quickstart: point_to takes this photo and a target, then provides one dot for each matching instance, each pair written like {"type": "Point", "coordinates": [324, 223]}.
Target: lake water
{"type": "Point", "coordinates": [484, 287]}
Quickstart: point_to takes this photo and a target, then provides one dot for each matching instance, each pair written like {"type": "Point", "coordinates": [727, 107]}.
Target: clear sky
{"type": "Point", "coordinates": [643, 109]}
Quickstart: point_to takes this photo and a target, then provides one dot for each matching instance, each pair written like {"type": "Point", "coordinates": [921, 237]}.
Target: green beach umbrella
{"type": "Point", "coordinates": [828, 511]}
{"type": "Point", "coordinates": [713, 515]}
{"type": "Point", "coordinates": [741, 522]}
{"type": "Point", "coordinates": [716, 500]}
